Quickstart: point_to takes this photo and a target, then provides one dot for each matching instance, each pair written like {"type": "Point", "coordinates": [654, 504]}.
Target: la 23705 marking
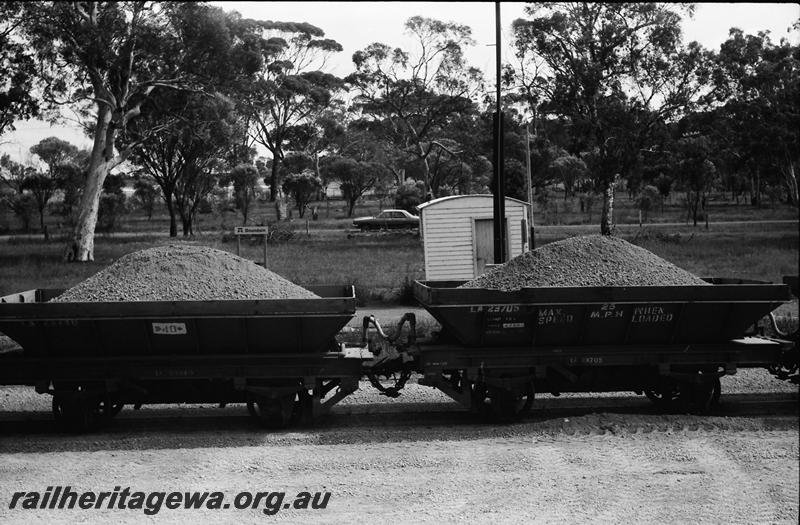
{"type": "Point", "coordinates": [496, 308]}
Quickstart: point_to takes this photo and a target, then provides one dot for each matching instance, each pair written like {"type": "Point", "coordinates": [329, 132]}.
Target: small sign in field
{"type": "Point", "coordinates": [251, 230]}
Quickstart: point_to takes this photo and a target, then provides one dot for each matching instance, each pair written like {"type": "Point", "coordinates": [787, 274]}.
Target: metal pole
{"type": "Point", "coordinates": [498, 186]}
{"type": "Point", "coordinates": [529, 184]}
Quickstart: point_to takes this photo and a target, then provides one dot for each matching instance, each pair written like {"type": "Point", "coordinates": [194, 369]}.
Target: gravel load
{"type": "Point", "coordinates": [591, 260]}
{"type": "Point", "coordinates": [181, 273]}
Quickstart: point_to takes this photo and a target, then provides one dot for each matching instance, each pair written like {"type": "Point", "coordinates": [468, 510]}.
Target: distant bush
{"type": "Point", "coordinates": [112, 206]}
{"type": "Point", "coordinates": [409, 196]}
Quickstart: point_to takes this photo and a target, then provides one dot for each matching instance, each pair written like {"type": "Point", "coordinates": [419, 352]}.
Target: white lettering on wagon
{"type": "Point", "coordinates": [169, 328]}
{"type": "Point", "coordinates": [651, 314]}
{"type": "Point", "coordinates": [549, 316]}
{"type": "Point", "coordinates": [495, 308]}
{"type": "Point", "coordinates": [607, 311]}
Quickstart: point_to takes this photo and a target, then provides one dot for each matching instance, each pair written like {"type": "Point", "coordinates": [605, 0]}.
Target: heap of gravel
{"type": "Point", "coordinates": [591, 260]}
{"type": "Point", "coordinates": [183, 272]}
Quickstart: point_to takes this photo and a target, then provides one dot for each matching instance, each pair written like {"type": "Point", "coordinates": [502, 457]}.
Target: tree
{"type": "Point", "coordinates": [12, 173]}
{"type": "Point", "coordinates": [355, 177]}
{"type": "Point", "coordinates": [695, 172]}
{"type": "Point", "coordinates": [105, 59]}
{"type": "Point", "coordinates": [616, 71]}
{"type": "Point", "coordinates": [55, 153]}
{"type": "Point", "coordinates": [292, 86]}
{"type": "Point", "coordinates": [664, 185]}
{"type": "Point", "coordinates": [568, 169]}
{"type": "Point", "coordinates": [71, 178]}
{"type": "Point", "coordinates": [41, 187]}
{"type": "Point", "coordinates": [244, 178]}
{"type": "Point", "coordinates": [145, 191]}
{"type": "Point", "coordinates": [17, 69]}
{"type": "Point", "coordinates": [409, 196]}
{"type": "Point", "coordinates": [759, 125]}
{"type": "Point", "coordinates": [302, 187]}
{"type": "Point", "coordinates": [21, 203]}
{"type": "Point", "coordinates": [186, 157]}
{"type": "Point", "coordinates": [112, 203]}
{"type": "Point", "coordinates": [648, 198]}
{"type": "Point", "coordinates": [412, 99]}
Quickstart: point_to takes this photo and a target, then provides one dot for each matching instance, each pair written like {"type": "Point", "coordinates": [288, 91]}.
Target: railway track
{"type": "Point", "coordinates": [203, 426]}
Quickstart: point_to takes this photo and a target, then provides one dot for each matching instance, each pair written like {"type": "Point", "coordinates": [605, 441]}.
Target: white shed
{"type": "Point", "coordinates": [458, 234]}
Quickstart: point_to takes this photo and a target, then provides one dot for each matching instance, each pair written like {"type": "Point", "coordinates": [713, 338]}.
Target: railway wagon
{"type": "Point", "coordinates": [278, 356]}
{"type": "Point", "coordinates": [672, 343]}
{"type": "Point", "coordinates": [495, 349]}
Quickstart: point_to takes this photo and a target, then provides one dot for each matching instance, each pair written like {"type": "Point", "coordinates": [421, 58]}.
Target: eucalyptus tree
{"type": "Point", "coordinates": [356, 177]}
{"type": "Point", "coordinates": [55, 153]}
{"type": "Point", "coordinates": [616, 71]}
{"type": "Point", "coordinates": [185, 137]}
{"type": "Point", "coordinates": [413, 97]}
{"type": "Point", "coordinates": [244, 178]}
{"type": "Point", "coordinates": [104, 60]}
{"type": "Point", "coordinates": [17, 70]}
{"type": "Point", "coordinates": [292, 86]}
{"type": "Point", "coordinates": [758, 125]}
{"type": "Point", "coordinates": [185, 158]}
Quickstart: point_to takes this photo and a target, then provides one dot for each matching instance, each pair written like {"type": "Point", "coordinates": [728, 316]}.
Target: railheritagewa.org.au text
{"type": "Point", "coordinates": [152, 502]}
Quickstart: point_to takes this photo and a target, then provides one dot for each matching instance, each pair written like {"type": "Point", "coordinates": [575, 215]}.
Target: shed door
{"type": "Point", "coordinates": [484, 243]}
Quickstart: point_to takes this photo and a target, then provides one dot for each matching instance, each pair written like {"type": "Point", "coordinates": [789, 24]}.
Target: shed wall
{"type": "Point", "coordinates": [449, 237]}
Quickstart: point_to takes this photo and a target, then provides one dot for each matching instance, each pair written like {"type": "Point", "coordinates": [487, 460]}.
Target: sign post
{"type": "Point", "coordinates": [251, 230]}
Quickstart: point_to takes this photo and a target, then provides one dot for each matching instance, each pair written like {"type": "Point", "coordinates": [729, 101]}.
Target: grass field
{"type": "Point", "coordinates": [382, 266]}
{"type": "Point", "coordinates": [332, 215]}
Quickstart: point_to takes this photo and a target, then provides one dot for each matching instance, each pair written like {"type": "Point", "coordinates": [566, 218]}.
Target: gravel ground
{"type": "Point", "coordinates": [421, 458]}
{"type": "Point", "coordinates": [183, 272]}
{"type": "Point", "coordinates": [597, 468]}
{"type": "Point", "coordinates": [591, 260]}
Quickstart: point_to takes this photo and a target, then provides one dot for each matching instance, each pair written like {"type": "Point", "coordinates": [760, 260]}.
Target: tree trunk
{"type": "Point", "coordinates": [426, 171]}
{"type": "Point", "coordinates": [607, 217]}
{"type": "Point", "coordinates": [756, 183]}
{"type": "Point", "coordinates": [790, 179]}
{"type": "Point", "coordinates": [351, 207]}
{"type": "Point", "coordinates": [41, 223]}
{"type": "Point", "coordinates": [273, 180]}
{"type": "Point", "coordinates": [82, 247]}
{"type": "Point", "coordinates": [187, 226]}
{"type": "Point", "coordinates": [173, 220]}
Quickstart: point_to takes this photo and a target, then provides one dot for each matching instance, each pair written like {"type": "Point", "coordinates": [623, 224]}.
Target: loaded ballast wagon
{"type": "Point", "coordinates": [95, 357]}
{"type": "Point", "coordinates": [497, 348]}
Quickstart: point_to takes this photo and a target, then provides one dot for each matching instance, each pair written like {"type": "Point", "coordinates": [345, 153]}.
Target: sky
{"type": "Point", "coordinates": [358, 24]}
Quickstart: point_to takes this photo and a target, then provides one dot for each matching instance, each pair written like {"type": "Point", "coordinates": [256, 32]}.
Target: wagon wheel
{"type": "Point", "coordinates": [666, 397]}
{"type": "Point", "coordinates": [107, 409]}
{"type": "Point", "coordinates": [508, 406]}
{"type": "Point", "coordinates": [272, 412]}
{"type": "Point", "coordinates": [501, 404]}
{"type": "Point", "coordinates": [703, 396]}
{"type": "Point", "coordinates": [698, 398]}
{"type": "Point", "coordinates": [303, 407]}
{"type": "Point", "coordinates": [717, 393]}
{"type": "Point", "coordinates": [74, 413]}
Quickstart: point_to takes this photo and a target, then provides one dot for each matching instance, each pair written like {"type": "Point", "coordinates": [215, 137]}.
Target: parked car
{"type": "Point", "coordinates": [387, 219]}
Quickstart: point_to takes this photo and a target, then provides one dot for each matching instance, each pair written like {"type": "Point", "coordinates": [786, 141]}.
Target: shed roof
{"type": "Point", "coordinates": [452, 197]}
